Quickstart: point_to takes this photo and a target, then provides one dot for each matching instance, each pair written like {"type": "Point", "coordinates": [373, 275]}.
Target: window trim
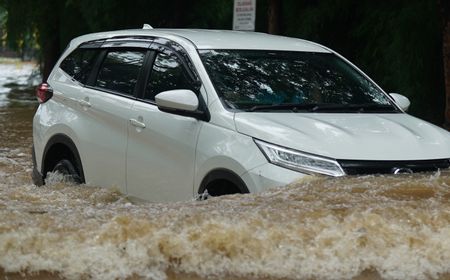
{"type": "Point", "coordinates": [145, 75]}
{"type": "Point", "coordinates": [149, 71]}
{"type": "Point", "coordinates": [162, 44]}
{"type": "Point", "coordinates": [126, 43]}
{"type": "Point", "coordinates": [111, 92]}
{"type": "Point", "coordinates": [202, 112]}
{"type": "Point", "coordinates": [94, 72]}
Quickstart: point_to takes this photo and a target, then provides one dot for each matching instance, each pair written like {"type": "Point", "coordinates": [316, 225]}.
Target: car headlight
{"type": "Point", "coordinates": [300, 161]}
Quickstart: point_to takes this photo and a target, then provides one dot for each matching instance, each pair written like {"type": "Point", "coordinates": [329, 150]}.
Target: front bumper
{"type": "Point", "coordinates": [268, 176]}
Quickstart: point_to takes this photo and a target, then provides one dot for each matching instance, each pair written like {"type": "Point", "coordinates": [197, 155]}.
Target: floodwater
{"type": "Point", "coordinates": [372, 227]}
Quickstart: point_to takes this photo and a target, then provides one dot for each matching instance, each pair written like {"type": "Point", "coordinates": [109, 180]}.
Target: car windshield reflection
{"type": "Point", "coordinates": [246, 79]}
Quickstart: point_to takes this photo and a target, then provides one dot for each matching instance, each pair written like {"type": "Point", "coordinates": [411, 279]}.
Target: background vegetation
{"type": "Point", "coordinates": [398, 43]}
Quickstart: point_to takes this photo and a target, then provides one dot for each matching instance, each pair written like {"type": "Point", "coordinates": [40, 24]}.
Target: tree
{"type": "Point", "coordinates": [444, 6]}
{"type": "Point", "coordinates": [27, 18]}
{"type": "Point", "coordinates": [274, 17]}
{"type": "Point", "coordinates": [49, 34]}
{"type": "Point", "coordinates": [398, 43]}
{"type": "Point", "coordinates": [54, 23]}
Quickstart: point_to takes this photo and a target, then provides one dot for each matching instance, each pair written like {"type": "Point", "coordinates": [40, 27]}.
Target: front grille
{"type": "Point", "coordinates": [362, 167]}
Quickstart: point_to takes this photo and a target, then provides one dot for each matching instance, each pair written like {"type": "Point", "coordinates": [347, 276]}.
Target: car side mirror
{"type": "Point", "coordinates": [401, 101]}
{"type": "Point", "coordinates": [177, 99]}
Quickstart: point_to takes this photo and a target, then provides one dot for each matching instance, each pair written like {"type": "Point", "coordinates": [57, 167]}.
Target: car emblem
{"type": "Point", "coordinates": [397, 170]}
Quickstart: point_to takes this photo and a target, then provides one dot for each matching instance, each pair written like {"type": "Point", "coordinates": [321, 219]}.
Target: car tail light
{"type": "Point", "coordinates": [44, 92]}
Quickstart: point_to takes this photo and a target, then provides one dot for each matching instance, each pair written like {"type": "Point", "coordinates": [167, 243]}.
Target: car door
{"type": "Point", "coordinates": [106, 103]}
{"type": "Point", "coordinates": [161, 146]}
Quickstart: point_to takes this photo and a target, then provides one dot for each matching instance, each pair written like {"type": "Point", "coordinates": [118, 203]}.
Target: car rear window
{"type": "Point", "coordinates": [119, 70]}
{"type": "Point", "coordinates": [79, 64]}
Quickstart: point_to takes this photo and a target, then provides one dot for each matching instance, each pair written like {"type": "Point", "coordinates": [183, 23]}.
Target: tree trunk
{"type": "Point", "coordinates": [444, 6]}
{"type": "Point", "coordinates": [50, 53]}
{"type": "Point", "coordinates": [49, 34]}
{"type": "Point", "coordinates": [274, 17]}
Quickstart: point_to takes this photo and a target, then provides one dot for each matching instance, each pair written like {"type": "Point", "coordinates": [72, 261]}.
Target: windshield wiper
{"type": "Point", "coordinates": [333, 108]}
{"type": "Point", "coordinates": [355, 108]}
{"type": "Point", "coordinates": [284, 106]}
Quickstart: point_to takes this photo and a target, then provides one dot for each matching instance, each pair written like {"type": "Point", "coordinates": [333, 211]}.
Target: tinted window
{"type": "Point", "coordinates": [167, 73]}
{"type": "Point", "coordinates": [244, 79]}
{"type": "Point", "coordinates": [80, 63]}
{"type": "Point", "coordinates": [119, 71]}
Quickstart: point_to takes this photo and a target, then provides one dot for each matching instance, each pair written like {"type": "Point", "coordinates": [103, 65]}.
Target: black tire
{"type": "Point", "coordinates": [221, 182]}
{"type": "Point", "coordinates": [222, 187]}
{"type": "Point", "coordinates": [66, 168]}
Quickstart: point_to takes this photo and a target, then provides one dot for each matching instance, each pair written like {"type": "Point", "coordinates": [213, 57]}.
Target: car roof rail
{"type": "Point", "coordinates": [147, 26]}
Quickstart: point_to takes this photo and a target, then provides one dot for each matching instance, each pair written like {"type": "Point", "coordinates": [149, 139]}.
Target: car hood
{"type": "Point", "coordinates": [396, 136]}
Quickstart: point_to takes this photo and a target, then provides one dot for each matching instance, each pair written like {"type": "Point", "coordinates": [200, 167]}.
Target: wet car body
{"type": "Point", "coordinates": [253, 111]}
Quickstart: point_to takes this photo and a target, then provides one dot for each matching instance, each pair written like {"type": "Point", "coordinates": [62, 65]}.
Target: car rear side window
{"type": "Point", "coordinates": [167, 73]}
{"type": "Point", "coordinates": [79, 64]}
{"type": "Point", "coordinates": [119, 71]}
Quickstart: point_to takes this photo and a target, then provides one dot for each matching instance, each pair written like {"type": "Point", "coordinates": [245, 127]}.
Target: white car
{"type": "Point", "coordinates": [166, 114]}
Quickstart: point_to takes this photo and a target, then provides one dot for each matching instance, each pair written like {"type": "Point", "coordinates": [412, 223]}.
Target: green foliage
{"type": "Point", "coordinates": [16, 24]}
{"type": "Point", "coordinates": [398, 43]}
{"type": "Point", "coordinates": [3, 18]}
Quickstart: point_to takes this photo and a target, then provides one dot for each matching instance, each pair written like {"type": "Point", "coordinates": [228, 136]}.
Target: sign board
{"type": "Point", "coordinates": [244, 15]}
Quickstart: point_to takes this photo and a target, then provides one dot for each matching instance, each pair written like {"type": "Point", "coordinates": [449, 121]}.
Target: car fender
{"type": "Point", "coordinates": [65, 140]}
{"type": "Point", "coordinates": [46, 128]}
{"type": "Point", "coordinates": [220, 148]}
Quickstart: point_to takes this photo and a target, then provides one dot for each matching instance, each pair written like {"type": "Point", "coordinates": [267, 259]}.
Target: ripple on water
{"type": "Point", "coordinates": [319, 228]}
{"type": "Point", "coordinates": [394, 227]}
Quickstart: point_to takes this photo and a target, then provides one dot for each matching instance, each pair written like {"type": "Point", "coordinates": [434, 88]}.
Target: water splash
{"type": "Point", "coordinates": [390, 227]}
{"type": "Point", "coordinates": [323, 229]}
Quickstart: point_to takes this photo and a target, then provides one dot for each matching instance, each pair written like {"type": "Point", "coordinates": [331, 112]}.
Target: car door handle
{"type": "Point", "coordinates": [137, 123]}
{"type": "Point", "coordinates": [84, 103]}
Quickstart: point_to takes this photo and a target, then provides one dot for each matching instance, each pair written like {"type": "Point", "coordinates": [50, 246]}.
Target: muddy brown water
{"type": "Point", "coordinates": [372, 227]}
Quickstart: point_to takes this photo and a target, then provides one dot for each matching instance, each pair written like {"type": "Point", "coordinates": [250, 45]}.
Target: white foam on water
{"type": "Point", "coordinates": [55, 178]}
{"type": "Point", "coordinates": [18, 74]}
{"type": "Point", "coordinates": [322, 229]}
{"type": "Point", "coordinates": [398, 226]}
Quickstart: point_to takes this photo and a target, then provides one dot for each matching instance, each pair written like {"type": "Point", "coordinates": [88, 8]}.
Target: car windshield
{"type": "Point", "coordinates": [261, 80]}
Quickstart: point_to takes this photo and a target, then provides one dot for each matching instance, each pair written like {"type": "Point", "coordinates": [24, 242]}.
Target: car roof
{"type": "Point", "coordinates": [216, 39]}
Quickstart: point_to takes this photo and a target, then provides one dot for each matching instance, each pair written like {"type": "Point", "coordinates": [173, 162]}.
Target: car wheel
{"type": "Point", "coordinates": [68, 170]}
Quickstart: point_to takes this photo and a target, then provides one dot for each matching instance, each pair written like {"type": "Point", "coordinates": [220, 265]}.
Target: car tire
{"type": "Point", "coordinates": [66, 168]}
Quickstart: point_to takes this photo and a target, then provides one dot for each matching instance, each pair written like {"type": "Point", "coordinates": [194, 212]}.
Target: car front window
{"type": "Point", "coordinates": [281, 80]}
{"type": "Point", "coordinates": [167, 74]}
